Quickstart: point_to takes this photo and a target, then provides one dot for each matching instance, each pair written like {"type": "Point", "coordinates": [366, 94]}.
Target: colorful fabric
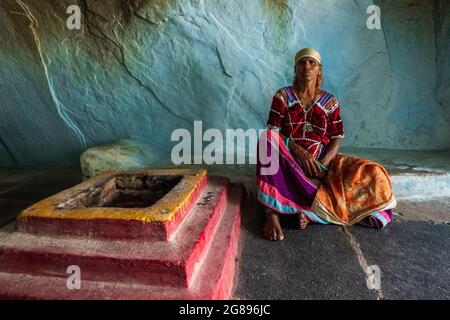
{"type": "Point", "coordinates": [312, 129]}
{"type": "Point", "coordinates": [352, 190]}
{"type": "Point", "coordinates": [290, 191]}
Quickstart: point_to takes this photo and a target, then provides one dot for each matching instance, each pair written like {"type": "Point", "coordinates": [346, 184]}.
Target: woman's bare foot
{"type": "Point", "coordinates": [302, 221]}
{"type": "Point", "coordinates": [272, 228]}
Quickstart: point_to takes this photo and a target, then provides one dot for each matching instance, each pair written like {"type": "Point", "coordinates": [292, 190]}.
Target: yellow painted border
{"type": "Point", "coordinates": [162, 210]}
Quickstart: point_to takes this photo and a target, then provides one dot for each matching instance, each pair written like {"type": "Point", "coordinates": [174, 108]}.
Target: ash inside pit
{"type": "Point", "coordinates": [124, 191]}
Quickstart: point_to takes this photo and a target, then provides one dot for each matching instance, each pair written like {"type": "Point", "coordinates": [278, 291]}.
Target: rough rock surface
{"type": "Point", "coordinates": [122, 154]}
{"type": "Point", "coordinates": [140, 69]}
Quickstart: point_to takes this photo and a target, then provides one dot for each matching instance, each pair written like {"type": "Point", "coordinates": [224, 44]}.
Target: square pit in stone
{"type": "Point", "coordinates": [124, 191]}
{"type": "Point", "coordinates": [148, 203]}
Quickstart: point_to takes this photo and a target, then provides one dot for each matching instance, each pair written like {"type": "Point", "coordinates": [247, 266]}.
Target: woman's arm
{"type": "Point", "coordinates": [332, 151]}
{"type": "Point", "coordinates": [335, 131]}
{"type": "Point", "coordinates": [304, 157]}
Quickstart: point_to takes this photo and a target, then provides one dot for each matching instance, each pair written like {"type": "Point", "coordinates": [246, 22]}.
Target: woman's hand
{"type": "Point", "coordinates": [331, 152]}
{"type": "Point", "coordinates": [326, 161]}
{"type": "Point", "coordinates": [307, 161]}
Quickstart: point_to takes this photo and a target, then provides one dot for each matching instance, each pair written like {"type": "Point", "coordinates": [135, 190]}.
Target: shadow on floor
{"type": "Point", "coordinates": [22, 187]}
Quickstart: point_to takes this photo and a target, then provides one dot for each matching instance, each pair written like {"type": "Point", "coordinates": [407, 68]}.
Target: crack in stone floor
{"type": "Point", "coordinates": [361, 260]}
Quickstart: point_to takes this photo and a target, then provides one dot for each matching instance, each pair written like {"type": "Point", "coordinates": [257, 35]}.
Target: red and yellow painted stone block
{"type": "Point", "coordinates": [88, 209]}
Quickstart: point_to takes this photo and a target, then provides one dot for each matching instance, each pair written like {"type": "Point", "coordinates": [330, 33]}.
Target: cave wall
{"type": "Point", "coordinates": [142, 68]}
{"type": "Point", "coordinates": [442, 44]}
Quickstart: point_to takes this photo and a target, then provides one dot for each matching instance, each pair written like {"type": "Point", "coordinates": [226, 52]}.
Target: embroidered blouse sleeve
{"type": "Point", "coordinates": [277, 111]}
{"type": "Point", "coordinates": [335, 126]}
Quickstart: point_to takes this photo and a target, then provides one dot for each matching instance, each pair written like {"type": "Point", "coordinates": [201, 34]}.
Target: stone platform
{"type": "Point", "coordinates": [151, 216]}
{"type": "Point", "coordinates": [180, 244]}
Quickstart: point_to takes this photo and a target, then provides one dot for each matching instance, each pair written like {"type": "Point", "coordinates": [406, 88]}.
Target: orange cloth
{"type": "Point", "coordinates": [352, 189]}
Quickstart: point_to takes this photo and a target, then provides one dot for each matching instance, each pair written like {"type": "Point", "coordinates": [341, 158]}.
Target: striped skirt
{"type": "Point", "coordinates": [354, 190]}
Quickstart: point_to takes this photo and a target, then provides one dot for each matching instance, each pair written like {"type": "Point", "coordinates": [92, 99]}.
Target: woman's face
{"type": "Point", "coordinates": [307, 68]}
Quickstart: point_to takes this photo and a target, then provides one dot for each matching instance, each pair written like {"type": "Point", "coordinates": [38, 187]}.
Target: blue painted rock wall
{"type": "Point", "coordinates": [142, 68]}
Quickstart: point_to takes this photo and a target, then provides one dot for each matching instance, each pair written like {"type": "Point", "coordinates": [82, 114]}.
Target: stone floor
{"type": "Point", "coordinates": [405, 159]}
{"type": "Point", "coordinates": [329, 262]}
{"type": "Point", "coordinates": [20, 187]}
{"type": "Point", "coordinates": [322, 262]}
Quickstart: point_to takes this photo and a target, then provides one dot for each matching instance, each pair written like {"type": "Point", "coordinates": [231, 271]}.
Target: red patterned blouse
{"type": "Point", "coordinates": [311, 129]}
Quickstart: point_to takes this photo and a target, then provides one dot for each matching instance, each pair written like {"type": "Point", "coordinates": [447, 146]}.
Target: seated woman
{"type": "Point", "coordinates": [314, 180]}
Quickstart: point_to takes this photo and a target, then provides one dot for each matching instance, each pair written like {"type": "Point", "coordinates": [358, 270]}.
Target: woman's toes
{"type": "Point", "coordinates": [272, 228]}
{"type": "Point", "coordinates": [280, 236]}
{"type": "Point", "coordinates": [303, 221]}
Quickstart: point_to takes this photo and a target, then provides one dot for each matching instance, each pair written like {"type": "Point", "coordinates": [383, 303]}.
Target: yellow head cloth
{"type": "Point", "coordinates": [307, 52]}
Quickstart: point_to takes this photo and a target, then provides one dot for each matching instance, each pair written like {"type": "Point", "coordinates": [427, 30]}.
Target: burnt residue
{"type": "Point", "coordinates": [104, 12]}
{"type": "Point", "coordinates": [124, 191]}
{"type": "Point", "coordinates": [151, 11]}
{"type": "Point", "coordinates": [130, 7]}
{"type": "Point", "coordinates": [278, 15]}
{"type": "Point", "coordinates": [111, 21]}
{"type": "Point", "coordinates": [154, 12]}
{"type": "Point", "coordinates": [19, 22]}
{"type": "Point", "coordinates": [108, 23]}
{"type": "Point", "coordinates": [278, 12]}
